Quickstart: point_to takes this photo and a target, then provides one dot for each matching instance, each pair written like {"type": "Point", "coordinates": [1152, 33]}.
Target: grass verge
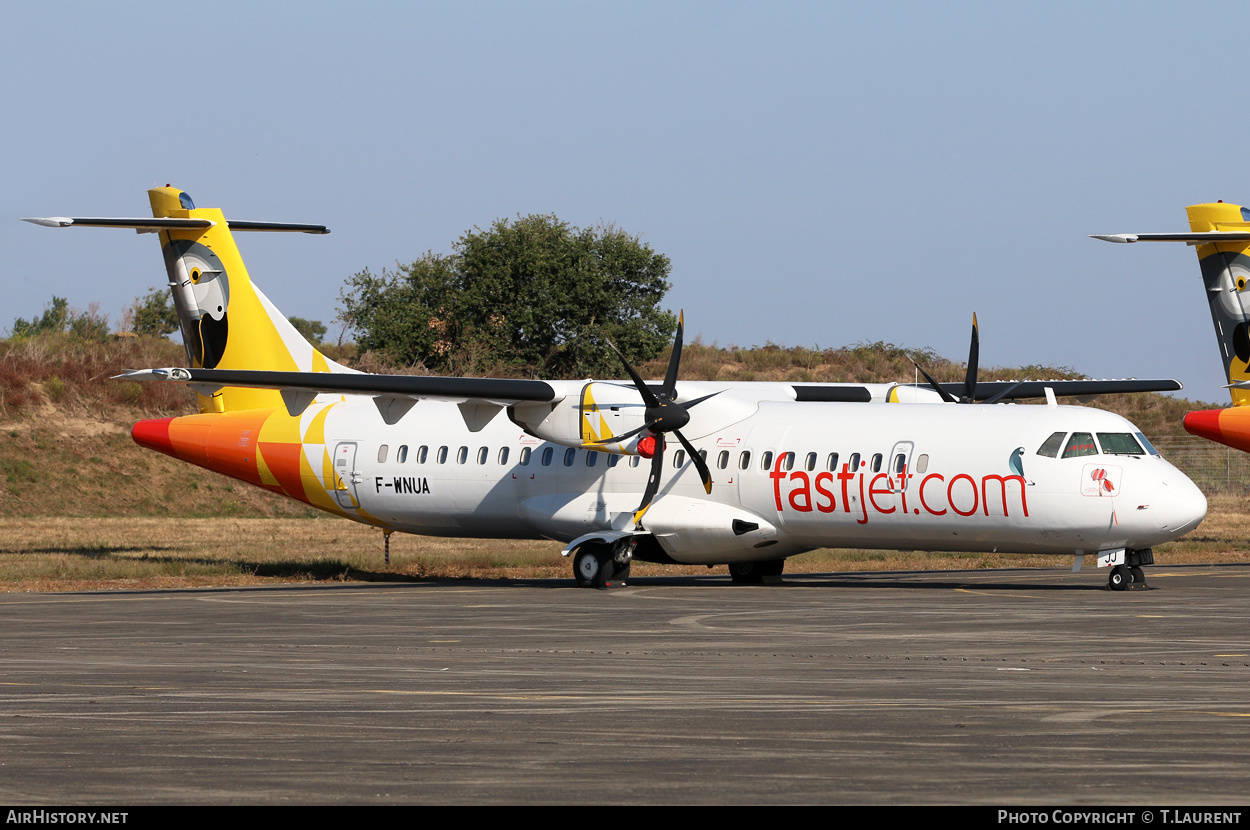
{"type": "Point", "coordinates": [63, 554]}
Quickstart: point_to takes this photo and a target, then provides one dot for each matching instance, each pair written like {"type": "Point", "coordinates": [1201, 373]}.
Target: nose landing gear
{"type": "Point", "coordinates": [1130, 575]}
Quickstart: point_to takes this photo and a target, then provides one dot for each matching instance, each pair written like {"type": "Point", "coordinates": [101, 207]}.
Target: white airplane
{"type": "Point", "coordinates": [760, 471]}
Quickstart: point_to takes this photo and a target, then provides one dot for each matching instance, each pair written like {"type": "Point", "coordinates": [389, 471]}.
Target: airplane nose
{"type": "Point", "coordinates": [1181, 506]}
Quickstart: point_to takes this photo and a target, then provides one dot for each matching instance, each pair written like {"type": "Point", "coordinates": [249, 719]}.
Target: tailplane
{"type": "Point", "coordinates": [226, 322]}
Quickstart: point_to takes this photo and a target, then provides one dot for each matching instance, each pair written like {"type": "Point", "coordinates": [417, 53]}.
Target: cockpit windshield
{"type": "Point", "coordinates": [1119, 443]}
{"type": "Point", "coordinates": [1081, 443]}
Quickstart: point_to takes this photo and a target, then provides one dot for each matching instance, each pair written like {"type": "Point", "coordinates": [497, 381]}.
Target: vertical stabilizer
{"type": "Point", "coordinates": [227, 323]}
{"type": "Point", "coordinates": [1226, 275]}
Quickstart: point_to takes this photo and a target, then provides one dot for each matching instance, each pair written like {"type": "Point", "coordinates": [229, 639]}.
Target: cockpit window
{"type": "Point", "coordinates": [1119, 443]}
{"type": "Point", "coordinates": [1050, 448]}
{"type": "Point", "coordinates": [1150, 448]}
{"type": "Point", "coordinates": [1081, 443]}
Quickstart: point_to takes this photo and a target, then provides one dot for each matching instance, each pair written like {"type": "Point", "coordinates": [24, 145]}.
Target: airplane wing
{"type": "Point", "coordinates": [480, 399]}
{"type": "Point", "coordinates": [1026, 389]}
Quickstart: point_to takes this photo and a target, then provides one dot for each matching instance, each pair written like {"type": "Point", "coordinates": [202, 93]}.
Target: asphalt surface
{"type": "Point", "coordinates": [973, 687]}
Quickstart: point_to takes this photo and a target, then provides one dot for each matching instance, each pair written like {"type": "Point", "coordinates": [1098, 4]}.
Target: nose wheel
{"type": "Point", "coordinates": [1124, 577]}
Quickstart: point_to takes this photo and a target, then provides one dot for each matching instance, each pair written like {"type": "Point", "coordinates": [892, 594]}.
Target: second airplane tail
{"type": "Point", "coordinates": [1226, 276]}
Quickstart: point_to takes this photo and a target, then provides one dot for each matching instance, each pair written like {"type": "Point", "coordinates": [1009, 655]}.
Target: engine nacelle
{"type": "Point", "coordinates": [600, 411]}
{"type": "Point", "coordinates": [701, 532]}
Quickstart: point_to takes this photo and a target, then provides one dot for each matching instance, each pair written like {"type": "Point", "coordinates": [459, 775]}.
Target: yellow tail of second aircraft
{"type": "Point", "coordinates": [227, 323]}
{"type": "Point", "coordinates": [1226, 275]}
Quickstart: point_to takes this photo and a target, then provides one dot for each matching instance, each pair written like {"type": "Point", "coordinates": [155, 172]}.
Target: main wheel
{"type": "Point", "coordinates": [745, 573]}
{"type": "Point", "coordinates": [1118, 579]}
{"type": "Point", "coordinates": [592, 568]}
{"type": "Point", "coordinates": [1139, 577]}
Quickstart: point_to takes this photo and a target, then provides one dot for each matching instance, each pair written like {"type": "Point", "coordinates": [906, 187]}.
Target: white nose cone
{"type": "Point", "coordinates": [1174, 507]}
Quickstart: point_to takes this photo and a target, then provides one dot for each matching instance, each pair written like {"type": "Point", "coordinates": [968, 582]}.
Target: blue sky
{"type": "Point", "coordinates": [818, 173]}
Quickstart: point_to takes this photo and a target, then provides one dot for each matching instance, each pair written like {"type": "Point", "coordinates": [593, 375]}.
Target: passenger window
{"type": "Point", "coordinates": [1050, 448]}
{"type": "Point", "coordinates": [722, 460]}
{"type": "Point", "coordinates": [831, 463]}
{"type": "Point", "coordinates": [679, 458]}
{"type": "Point", "coordinates": [482, 454]}
{"type": "Point", "coordinates": [591, 458]}
{"type": "Point", "coordinates": [1081, 443]}
{"type": "Point", "coordinates": [402, 455]}
{"type": "Point", "coordinates": [462, 455]}
{"type": "Point", "coordinates": [1119, 443]}
{"type": "Point", "coordinates": [569, 455]}
{"type": "Point", "coordinates": [442, 455]}
{"type": "Point", "coordinates": [382, 454]}
{"type": "Point", "coordinates": [613, 460]}
{"type": "Point", "coordinates": [766, 461]}
{"type": "Point", "coordinates": [876, 462]}
{"type": "Point", "coordinates": [744, 460]}
{"type": "Point", "coordinates": [900, 464]}
{"type": "Point", "coordinates": [853, 462]}
{"type": "Point", "coordinates": [787, 461]}
{"type": "Point", "coordinates": [548, 454]}
{"type": "Point", "coordinates": [422, 454]}
{"type": "Point", "coordinates": [922, 463]}
{"type": "Point", "coordinates": [635, 460]}
{"type": "Point", "coordinates": [525, 456]}
{"type": "Point", "coordinates": [703, 455]}
{"type": "Point", "coordinates": [503, 456]}
{"type": "Point", "coordinates": [811, 462]}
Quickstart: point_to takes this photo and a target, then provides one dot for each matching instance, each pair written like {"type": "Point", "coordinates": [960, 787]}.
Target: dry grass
{"type": "Point", "coordinates": [58, 554]}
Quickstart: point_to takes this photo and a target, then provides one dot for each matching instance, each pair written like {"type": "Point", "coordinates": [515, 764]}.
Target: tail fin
{"type": "Point", "coordinates": [227, 323]}
{"type": "Point", "coordinates": [1226, 274]}
{"type": "Point", "coordinates": [1222, 234]}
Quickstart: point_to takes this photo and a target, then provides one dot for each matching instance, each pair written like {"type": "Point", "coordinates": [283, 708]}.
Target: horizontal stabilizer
{"type": "Point", "coordinates": [172, 224]}
{"type": "Point", "coordinates": [1193, 238]}
{"type": "Point", "coordinates": [149, 224]}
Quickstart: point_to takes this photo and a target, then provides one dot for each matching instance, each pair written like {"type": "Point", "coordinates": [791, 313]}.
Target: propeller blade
{"type": "Point", "coordinates": [653, 483]}
{"type": "Point", "coordinates": [688, 404]}
{"type": "Point", "coordinates": [974, 354]}
{"type": "Point", "coordinates": [648, 397]}
{"type": "Point", "coordinates": [618, 439]}
{"type": "Point", "coordinates": [669, 390]}
{"type": "Point", "coordinates": [1001, 393]}
{"type": "Point", "coordinates": [699, 463]}
{"type": "Point", "coordinates": [946, 396]}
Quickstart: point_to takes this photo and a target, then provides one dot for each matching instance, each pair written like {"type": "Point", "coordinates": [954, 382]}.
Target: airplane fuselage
{"type": "Point", "coordinates": [788, 478]}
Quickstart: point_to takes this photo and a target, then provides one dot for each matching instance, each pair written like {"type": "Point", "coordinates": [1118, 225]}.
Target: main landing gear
{"type": "Point", "coordinates": [1130, 575]}
{"type": "Point", "coordinates": [596, 565]}
{"type": "Point", "coordinates": [755, 573]}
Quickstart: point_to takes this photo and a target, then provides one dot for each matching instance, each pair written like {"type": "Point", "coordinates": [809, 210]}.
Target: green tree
{"type": "Point", "coordinates": [59, 318]}
{"type": "Point", "coordinates": [153, 314]}
{"type": "Point", "coordinates": [535, 296]}
{"type": "Point", "coordinates": [311, 330]}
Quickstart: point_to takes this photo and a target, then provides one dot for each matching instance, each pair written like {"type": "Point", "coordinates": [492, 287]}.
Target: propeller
{"type": "Point", "coordinates": [663, 416]}
{"type": "Point", "coordinates": [970, 379]}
